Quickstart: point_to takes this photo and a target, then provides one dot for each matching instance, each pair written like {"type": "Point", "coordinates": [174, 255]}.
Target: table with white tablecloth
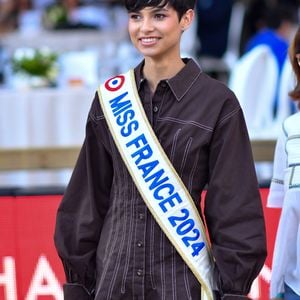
{"type": "Point", "coordinates": [46, 117]}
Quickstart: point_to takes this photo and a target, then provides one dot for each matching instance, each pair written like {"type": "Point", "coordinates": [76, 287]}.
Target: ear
{"type": "Point", "coordinates": [187, 19]}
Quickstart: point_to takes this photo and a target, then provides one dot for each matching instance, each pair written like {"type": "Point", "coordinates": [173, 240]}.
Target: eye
{"type": "Point", "coordinates": [134, 16]}
{"type": "Point", "coordinates": [159, 16]}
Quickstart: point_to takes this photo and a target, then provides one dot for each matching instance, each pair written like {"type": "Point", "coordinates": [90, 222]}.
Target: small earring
{"type": "Point", "coordinates": [297, 56]}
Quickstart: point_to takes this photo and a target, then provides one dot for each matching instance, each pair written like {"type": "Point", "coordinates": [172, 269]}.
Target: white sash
{"type": "Point", "coordinates": [156, 179]}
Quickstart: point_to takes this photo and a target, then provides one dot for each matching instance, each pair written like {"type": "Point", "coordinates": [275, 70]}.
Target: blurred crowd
{"type": "Point", "coordinates": [242, 24]}
{"type": "Point", "coordinates": [223, 32]}
{"type": "Point", "coordinates": [214, 18]}
{"type": "Point", "coordinates": [214, 21]}
{"type": "Point", "coordinates": [11, 11]}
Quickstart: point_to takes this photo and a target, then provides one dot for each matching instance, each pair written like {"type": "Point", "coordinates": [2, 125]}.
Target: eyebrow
{"type": "Point", "coordinates": [153, 9]}
{"type": "Point", "coordinates": [159, 9]}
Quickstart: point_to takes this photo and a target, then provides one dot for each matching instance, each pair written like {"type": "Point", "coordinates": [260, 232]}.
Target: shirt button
{"type": "Point", "coordinates": [140, 244]}
{"type": "Point", "coordinates": [155, 109]}
{"type": "Point", "coordinates": [163, 84]}
{"type": "Point", "coordinates": [139, 272]}
{"type": "Point", "coordinates": [141, 216]}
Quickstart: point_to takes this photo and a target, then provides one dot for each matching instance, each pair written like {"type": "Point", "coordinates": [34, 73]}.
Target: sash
{"type": "Point", "coordinates": [156, 179]}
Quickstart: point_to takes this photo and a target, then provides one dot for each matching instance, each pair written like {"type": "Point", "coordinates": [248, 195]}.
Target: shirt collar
{"type": "Point", "coordinates": [180, 83]}
{"type": "Point", "coordinates": [138, 71]}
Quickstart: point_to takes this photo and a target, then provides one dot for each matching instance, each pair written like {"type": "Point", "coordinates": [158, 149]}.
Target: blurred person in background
{"type": "Point", "coordinates": [8, 15]}
{"type": "Point", "coordinates": [275, 32]}
{"type": "Point", "coordinates": [285, 194]}
{"type": "Point", "coordinates": [254, 20]}
{"type": "Point", "coordinates": [108, 238]}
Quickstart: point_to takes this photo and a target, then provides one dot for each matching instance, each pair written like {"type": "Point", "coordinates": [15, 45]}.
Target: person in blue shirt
{"type": "Point", "coordinates": [281, 22]}
{"type": "Point", "coordinates": [280, 25]}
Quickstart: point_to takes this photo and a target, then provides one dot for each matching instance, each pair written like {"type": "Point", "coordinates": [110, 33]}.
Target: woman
{"type": "Point", "coordinates": [285, 193]}
{"type": "Point", "coordinates": [111, 244]}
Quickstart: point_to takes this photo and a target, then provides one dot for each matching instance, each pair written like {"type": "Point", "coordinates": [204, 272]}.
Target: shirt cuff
{"type": "Point", "coordinates": [76, 291]}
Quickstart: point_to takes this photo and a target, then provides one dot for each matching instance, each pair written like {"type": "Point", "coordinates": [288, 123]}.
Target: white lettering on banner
{"type": "Point", "coordinates": [153, 172]}
{"type": "Point", "coordinates": [8, 278]}
{"type": "Point", "coordinates": [44, 273]}
{"type": "Point", "coordinates": [43, 283]}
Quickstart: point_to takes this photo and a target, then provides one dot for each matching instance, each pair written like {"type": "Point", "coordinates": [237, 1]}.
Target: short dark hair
{"type": "Point", "coordinates": [181, 6]}
{"type": "Point", "coordinates": [293, 50]}
{"type": "Point", "coordinates": [278, 14]}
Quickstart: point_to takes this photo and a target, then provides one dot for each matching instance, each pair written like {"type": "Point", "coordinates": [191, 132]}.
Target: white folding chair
{"type": "Point", "coordinates": [234, 33]}
{"type": "Point", "coordinates": [254, 79]}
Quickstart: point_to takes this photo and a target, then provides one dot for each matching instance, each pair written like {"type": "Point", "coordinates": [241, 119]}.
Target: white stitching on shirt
{"type": "Point", "coordinates": [108, 250]}
{"type": "Point", "coordinates": [175, 120]}
{"type": "Point", "coordinates": [128, 250]}
{"type": "Point", "coordinates": [162, 265]}
{"type": "Point", "coordinates": [174, 143]}
{"type": "Point", "coordinates": [188, 88]}
{"type": "Point", "coordinates": [174, 281]}
{"type": "Point", "coordinates": [152, 278]}
{"type": "Point", "coordinates": [185, 155]}
{"type": "Point", "coordinates": [186, 282]}
{"type": "Point", "coordinates": [121, 227]}
{"type": "Point", "coordinates": [191, 176]}
{"type": "Point", "coordinates": [174, 278]}
{"type": "Point", "coordinates": [229, 115]}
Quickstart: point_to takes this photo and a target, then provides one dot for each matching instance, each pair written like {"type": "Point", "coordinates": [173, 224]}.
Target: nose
{"type": "Point", "coordinates": [147, 25]}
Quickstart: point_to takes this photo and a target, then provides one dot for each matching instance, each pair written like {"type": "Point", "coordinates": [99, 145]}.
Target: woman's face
{"type": "Point", "coordinates": [156, 32]}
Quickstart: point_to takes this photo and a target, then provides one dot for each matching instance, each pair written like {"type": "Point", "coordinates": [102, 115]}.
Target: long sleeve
{"type": "Point", "coordinates": [233, 209]}
{"type": "Point", "coordinates": [285, 193]}
{"type": "Point", "coordinates": [81, 214]}
{"type": "Point", "coordinates": [276, 194]}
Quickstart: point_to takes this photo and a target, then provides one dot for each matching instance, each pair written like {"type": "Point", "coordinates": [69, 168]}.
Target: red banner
{"type": "Point", "coordinates": [29, 266]}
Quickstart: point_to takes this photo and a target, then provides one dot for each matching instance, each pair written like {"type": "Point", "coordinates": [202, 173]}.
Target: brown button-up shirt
{"type": "Point", "coordinates": [107, 238]}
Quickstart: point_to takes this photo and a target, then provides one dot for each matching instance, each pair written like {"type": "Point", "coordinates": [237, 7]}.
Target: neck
{"type": "Point", "coordinates": [155, 71]}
